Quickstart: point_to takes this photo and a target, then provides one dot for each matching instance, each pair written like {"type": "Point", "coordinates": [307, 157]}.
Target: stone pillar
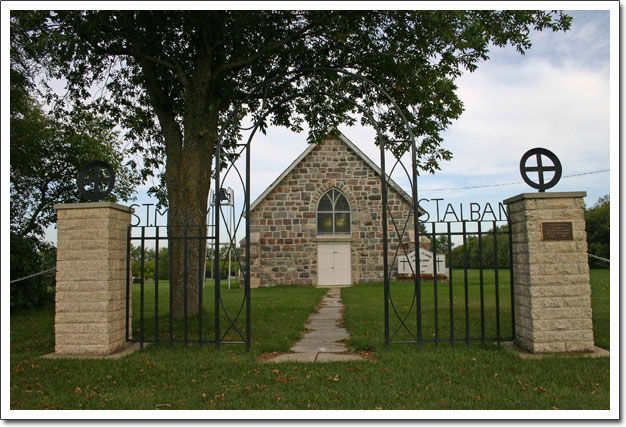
{"type": "Point", "coordinates": [90, 310]}
{"type": "Point", "coordinates": [551, 272]}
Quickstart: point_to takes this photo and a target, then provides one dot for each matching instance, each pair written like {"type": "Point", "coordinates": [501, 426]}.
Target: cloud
{"type": "Point", "coordinates": [564, 109]}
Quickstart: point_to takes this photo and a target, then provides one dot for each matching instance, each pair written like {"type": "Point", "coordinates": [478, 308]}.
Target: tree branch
{"type": "Point", "coordinates": [163, 110]}
{"type": "Point", "coordinates": [174, 65]}
{"type": "Point", "coordinates": [33, 219]}
{"type": "Point", "coordinates": [180, 73]}
{"type": "Point", "coordinates": [261, 53]}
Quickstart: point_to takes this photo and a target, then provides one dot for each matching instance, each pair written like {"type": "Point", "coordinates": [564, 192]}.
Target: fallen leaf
{"type": "Point", "coordinates": [479, 398]}
{"type": "Point", "coordinates": [281, 379]}
{"type": "Point", "coordinates": [77, 390]}
{"type": "Point", "coordinates": [275, 371]}
{"type": "Point", "coordinates": [163, 404]}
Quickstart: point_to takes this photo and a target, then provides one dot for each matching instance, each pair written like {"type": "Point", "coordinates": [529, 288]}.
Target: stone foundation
{"type": "Point", "coordinates": [90, 307]}
{"type": "Point", "coordinates": [551, 277]}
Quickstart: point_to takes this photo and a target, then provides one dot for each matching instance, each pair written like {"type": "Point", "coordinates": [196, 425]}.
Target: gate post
{"type": "Point", "coordinates": [90, 308]}
{"type": "Point", "coordinates": [551, 272]}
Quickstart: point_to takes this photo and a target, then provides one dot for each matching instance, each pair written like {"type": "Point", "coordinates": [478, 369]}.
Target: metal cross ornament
{"type": "Point", "coordinates": [101, 183]}
{"type": "Point", "coordinates": [541, 168]}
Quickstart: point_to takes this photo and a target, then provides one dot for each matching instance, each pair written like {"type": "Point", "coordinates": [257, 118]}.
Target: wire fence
{"type": "Point", "coordinates": [600, 258]}
{"type": "Point", "coordinates": [33, 275]}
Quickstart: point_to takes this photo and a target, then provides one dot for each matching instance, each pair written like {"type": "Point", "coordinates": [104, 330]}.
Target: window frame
{"type": "Point", "coordinates": [333, 197]}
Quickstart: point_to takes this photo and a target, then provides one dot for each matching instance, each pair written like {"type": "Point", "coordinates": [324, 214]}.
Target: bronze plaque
{"type": "Point", "coordinates": [556, 231]}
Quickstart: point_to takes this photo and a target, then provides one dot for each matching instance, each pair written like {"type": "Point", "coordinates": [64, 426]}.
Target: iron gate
{"type": "Point", "coordinates": [233, 160]}
{"type": "Point", "coordinates": [469, 298]}
{"type": "Point", "coordinates": [157, 322]}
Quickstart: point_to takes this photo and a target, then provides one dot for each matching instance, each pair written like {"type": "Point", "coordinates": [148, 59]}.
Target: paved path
{"type": "Point", "coordinates": [322, 342]}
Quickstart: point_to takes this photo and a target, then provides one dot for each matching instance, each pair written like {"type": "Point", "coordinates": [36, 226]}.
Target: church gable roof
{"type": "Point", "coordinates": [341, 137]}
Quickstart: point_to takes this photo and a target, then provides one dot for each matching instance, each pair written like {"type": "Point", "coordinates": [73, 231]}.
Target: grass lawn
{"type": "Point", "coordinates": [403, 377]}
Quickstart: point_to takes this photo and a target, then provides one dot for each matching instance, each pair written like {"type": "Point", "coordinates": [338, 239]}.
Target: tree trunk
{"type": "Point", "coordinates": [188, 166]}
{"type": "Point", "coordinates": [188, 183]}
{"type": "Point", "coordinates": [187, 231]}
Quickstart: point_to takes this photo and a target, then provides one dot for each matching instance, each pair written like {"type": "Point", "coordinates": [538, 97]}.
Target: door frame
{"type": "Point", "coordinates": [334, 242]}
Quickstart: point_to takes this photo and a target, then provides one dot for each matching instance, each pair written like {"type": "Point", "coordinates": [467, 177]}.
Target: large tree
{"type": "Point", "coordinates": [171, 77]}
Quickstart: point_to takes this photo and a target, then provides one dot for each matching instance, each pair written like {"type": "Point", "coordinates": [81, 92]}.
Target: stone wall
{"type": "Point", "coordinates": [285, 222]}
{"type": "Point", "coordinates": [552, 291]}
{"type": "Point", "coordinates": [90, 307]}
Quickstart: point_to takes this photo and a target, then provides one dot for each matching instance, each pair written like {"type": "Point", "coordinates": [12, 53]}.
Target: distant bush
{"type": "Point", "coordinates": [597, 221]}
{"type": "Point", "coordinates": [30, 256]}
{"type": "Point", "coordinates": [487, 247]}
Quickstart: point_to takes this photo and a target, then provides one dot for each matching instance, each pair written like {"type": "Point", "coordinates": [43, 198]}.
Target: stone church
{"type": "Point", "coordinates": [319, 223]}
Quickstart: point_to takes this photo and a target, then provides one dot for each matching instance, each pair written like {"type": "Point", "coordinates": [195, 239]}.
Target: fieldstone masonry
{"type": "Point", "coordinates": [283, 226]}
{"type": "Point", "coordinates": [90, 315]}
{"type": "Point", "coordinates": [552, 291]}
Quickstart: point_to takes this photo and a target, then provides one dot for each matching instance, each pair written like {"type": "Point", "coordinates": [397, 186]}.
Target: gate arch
{"type": "Point", "coordinates": [398, 148]}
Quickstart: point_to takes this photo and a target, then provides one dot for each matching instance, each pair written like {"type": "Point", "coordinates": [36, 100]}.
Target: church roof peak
{"type": "Point", "coordinates": [338, 135]}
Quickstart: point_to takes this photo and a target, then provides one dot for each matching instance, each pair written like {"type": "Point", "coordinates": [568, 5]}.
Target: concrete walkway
{"type": "Point", "coordinates": [322, 342]}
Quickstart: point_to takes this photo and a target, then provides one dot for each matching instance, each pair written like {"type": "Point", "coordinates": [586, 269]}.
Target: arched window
{"type": "Point", "coordinates": [333, 213]}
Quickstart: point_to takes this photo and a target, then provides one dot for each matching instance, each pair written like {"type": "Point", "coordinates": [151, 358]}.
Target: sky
{"type": "Point", "coordinates": [556, 96]}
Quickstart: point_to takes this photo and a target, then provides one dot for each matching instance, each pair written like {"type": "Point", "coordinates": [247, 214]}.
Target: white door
{"type": "Point", "coordinates": [333, 264]}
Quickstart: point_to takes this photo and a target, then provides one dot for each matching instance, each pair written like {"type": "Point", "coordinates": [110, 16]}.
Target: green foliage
{"type": "Point", "coordinates": [170, 78]}
{"type": "Point", "coordinates": [46, 155]}
{"type": "Point", "coordinates": [487, 246]}
{"type": "Point", "coordinates": [30, 256]}
{"type": "Point", "coordinates": [149, 265]}
{"type": "Point", "coordinates": [164, 263]}
{"type": "Point", "coordinates": [598, 222]}
{"type": "Point", "coordinates": [234, 264]}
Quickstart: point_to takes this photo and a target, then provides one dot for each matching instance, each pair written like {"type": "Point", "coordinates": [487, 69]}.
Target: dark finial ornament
{"type": "Point", "coordinates": [541, 168]}
{"type": "Point", "coordinates": [96, 180]}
